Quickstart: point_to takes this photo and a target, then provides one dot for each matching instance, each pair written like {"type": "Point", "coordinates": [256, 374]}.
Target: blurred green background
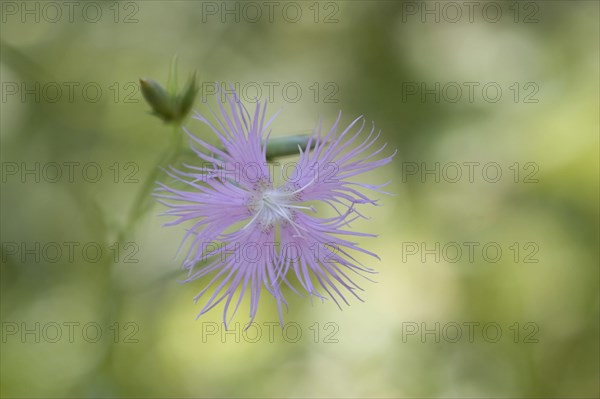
{"type": "Point", "coordinates": [533, 311]}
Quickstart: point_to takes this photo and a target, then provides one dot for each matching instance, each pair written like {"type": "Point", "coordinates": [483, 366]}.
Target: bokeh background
{"type": "Point", "coordinates": [533, 311]}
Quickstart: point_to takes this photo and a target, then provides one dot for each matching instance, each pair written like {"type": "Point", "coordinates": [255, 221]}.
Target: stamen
{"type": "Point", "coordinates": [274, 206]}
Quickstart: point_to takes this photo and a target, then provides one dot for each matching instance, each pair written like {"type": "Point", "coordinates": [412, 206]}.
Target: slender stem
{"type": "Point", "coordinates": [143, 201]}
{"type": "Point", "coordinates": [114, 294]}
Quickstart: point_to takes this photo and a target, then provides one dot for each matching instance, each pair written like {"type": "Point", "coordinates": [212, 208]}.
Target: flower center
{"type": "Point", "coordinates": [275, 206]}
{"type": "Point", "coordinates": [272, 208]}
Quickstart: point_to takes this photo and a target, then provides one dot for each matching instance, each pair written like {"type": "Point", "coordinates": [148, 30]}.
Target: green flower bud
{"type": "Point", "coordinates": [282, 146]}
{"type": "Point", "coordinates": [170, 108]}
{"type": "Point", "coordinates": [158, 98]}
{"type": "Point", "coordinates": [186, 101]}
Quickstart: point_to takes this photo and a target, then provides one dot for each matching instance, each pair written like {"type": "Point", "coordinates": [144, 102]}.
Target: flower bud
{"type": "Point", "coordinates": [186, 100]}
{"type": "Point", "coordinates": [169, 108]}
{"type": "Point", "coordinates": [158, 98]}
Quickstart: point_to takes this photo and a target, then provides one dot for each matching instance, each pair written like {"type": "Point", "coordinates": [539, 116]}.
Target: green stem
{"type": "Point", "coordinates": [143, 200]}
{"type": "Point", "coordinates": [104, 370]}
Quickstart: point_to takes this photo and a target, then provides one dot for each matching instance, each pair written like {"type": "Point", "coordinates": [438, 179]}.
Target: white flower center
{"type": "Point", "coordinates": [273, 207]}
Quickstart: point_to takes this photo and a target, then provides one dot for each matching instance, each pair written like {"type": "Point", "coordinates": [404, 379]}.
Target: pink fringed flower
{"type": "Point", "coordinates": [250, 231]}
